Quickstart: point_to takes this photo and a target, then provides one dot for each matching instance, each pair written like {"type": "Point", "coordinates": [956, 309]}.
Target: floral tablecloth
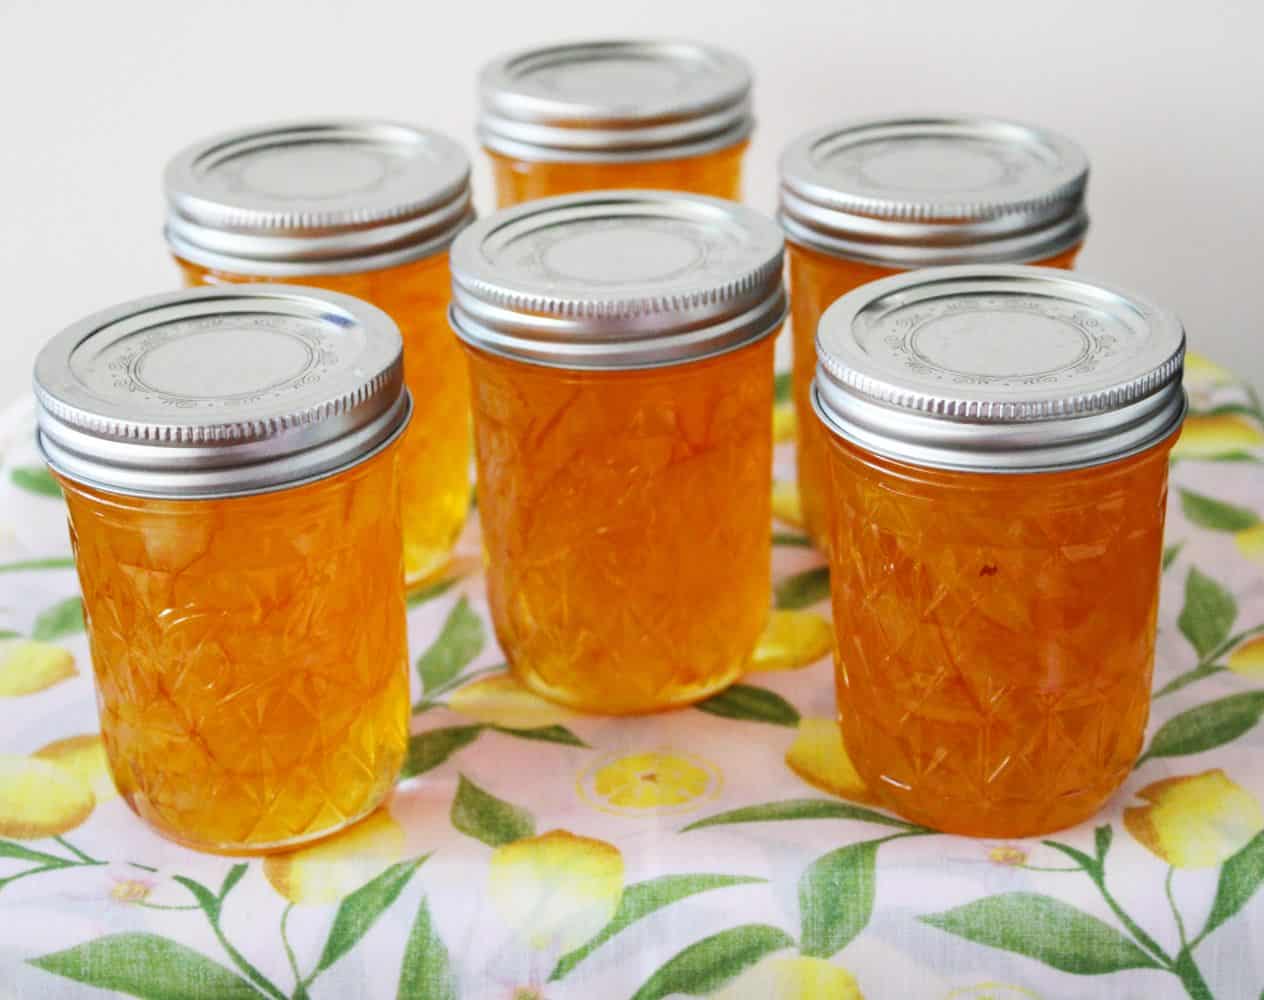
{"type": "Point", "coordinates": [727, 850]}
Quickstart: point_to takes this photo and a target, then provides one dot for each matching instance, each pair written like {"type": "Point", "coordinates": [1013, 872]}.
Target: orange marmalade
{"type": "Point", "coordinates": [626, 114]}
{"type": "Point", "coordinates": [864, 200]}
{"type": "Point", "coordinates": [366, 209]}
{"type": "Point", "coordinates": [996, 447]}
{"type": "Point", "coordinates": [621, 360]}
{"type": "Point", "coordinates": [237, 538]}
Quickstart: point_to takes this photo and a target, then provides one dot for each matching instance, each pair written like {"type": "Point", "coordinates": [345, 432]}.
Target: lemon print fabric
{"type": "Point", "coordinates": [1216, 435]}
{"type": "Point", "coordinates": [786, 505]}
{"type": "Point", "coordinates": [1195, 821]}
{"type": "Point", "coordinates": [27, 666]}
{"type": "Point", "coordinates": [792, 639]}
{"type": "Point", "coordinates": [819, 758]}
{"type": "Point", "coordinates": [786, 977]}
{"type": "Point", "coordinates": [654, 781]}
{"type": "Point", "coordinates": [333, 868]}
{"type": "Point", "coordinates": [40, 799]}
{"type": "Point", "coordinates": [1248, 659]}
{"type": "Point", "coordinates": [500, 700]}
{"type": "Point", "coordinates": [83, 756]}
{"type": "Point", "coordinates": [1250, 542]}
{"type": "Point", "coordinates": [557, 890]}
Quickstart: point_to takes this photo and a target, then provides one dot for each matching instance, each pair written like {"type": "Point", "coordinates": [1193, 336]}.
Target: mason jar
{"type": "Point", "coordinates": [621, 355]}
{"type": "Point", "coordinates": [996, 444]}
{"type": "Point", "coordinates": [597, 115]}
{"type": "Point", "coordinates": [864, 199]}
{"type": "Point", "coordinates": [367, 208]}
{"type": "Point", "coordinates": [236, 531]}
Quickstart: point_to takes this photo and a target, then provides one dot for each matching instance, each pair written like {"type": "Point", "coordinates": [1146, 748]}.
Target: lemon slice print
{"type": "Point", "coordinates": [655, 781]}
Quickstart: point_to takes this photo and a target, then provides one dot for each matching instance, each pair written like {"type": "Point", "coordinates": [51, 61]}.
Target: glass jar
{"type": "Point", "coordinates": [996, 446]}
{"type": "Point", "coordinates": [237, 536]}
{"type": "Point", "coordinates": [621, 355]}
{"type": "Point", "coordinates": [363, 208]}
{"type": "Point", "coordinates": [620, 114]}
{"type": "Point", "coordinates": [862, 200]}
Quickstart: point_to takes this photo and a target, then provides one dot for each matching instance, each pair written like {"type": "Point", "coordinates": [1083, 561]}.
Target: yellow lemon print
{"type": "Point", "coordinates": [83, 756]}
{"type": "Point", "coordinates": [785, 977]}
{"type": "Point", "coordinates": [333, 868]}
{"type": "Point", "coordinates": [1248, 659]}
{"type": "Point", "coordinates": [556, 890]}
{"type": "Point", "coordinates": [27, 666]}
{"type": "Point", "coordinates": [784, 422]}
{"type": "Point", "coordinates": [1195, 821]}
{"type": "Point", "coordinates": [40, 799]}
{"type": "Point", "coordinates": [1209, 436]}
{"type": "Point", "coordinates": [792, 639]}
{"type": "Point", "coordinates": [655, 781]}
{"type": "Point", "coordinates": [500, 700]}
{"type": "Point", "coordinates": [992, 991]}
{"type": "Point", "coordinates": [785, 503]}
{"type": "Point", "coordinates": [819, 758]}
{"type": "Point", "coordinates": [1250, 542]}
{"type": "Point", "coordinates": [1203, 373]}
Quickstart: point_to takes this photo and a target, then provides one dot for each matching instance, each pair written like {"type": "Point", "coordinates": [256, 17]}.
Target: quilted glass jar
{"type": "Point", "coordinates": [618, 114]}
{"type": "Point", "coordinates": [236, 530]}
{"type": "Point", "coordinates": [621, 352]}
{"type": "Point", "coordinates": [861, 200]}
{"type": "Point", "coordinates": [996, 446]}
{"type": "Point", "coordinates": [367, 209]}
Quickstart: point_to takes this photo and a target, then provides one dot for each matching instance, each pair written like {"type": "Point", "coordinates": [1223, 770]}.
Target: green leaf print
{"type": "Point", "coordinates": [428, 750]}
{"type": "Point", "coordinates": [63, 618]}
{"type": "Point", "coordinates": [53, 562]}
{"type": "Point", "coordinates": [360, 911]}
{"type": "Point", "coordinates": [426, 970]}
{"type": "Point", "coordinates": [751, 704]}
{"type": "Point", "coordinates": [1215, 514]}
{"type": "Point", "coordinates": [460, 640]}
{"type": "Point", "coordinates": [803, 589]}
{"type": "Point", "coordinates": [642, 899]}
{"type": "Point", "coordinates": [1240, 877]}
{"type": "Point", "coordinates": [8, 849]}
{"type": "Point", "coordinates": [791, 538]}
{"type": "Point", "coordinates": [430, 591]}
{"type": "Point", "coordinates": [148, 966]}
{"type": "Point", "coordinates": [1171, 552]}
{"type": "Point", "coordinates": [35, 479]}
{"type": "Point", "coordinates": [1045, 929]}
{"type": "Point", "coordinates": [836, 898]}
{"type": "Point", "coordinates": [710, 963]}
{"type": "Point", "coordinates": [771, 812]}
{"type": "Point", "coordinates": [543, 734]}
{"type": "Point", "coordinates": [1208, 613]}
{"type": "Point", "coordinates": [1206, 726]}
{"type": "Point", "coordinates": [481, 815]}
{"type": "Point", "coordinates": [782, 386]}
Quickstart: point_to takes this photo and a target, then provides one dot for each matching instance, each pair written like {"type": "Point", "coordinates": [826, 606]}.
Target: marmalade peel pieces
{"type": "Point", "coordinates": [250, 654]}
{"type": "Point", "coordinates": [995, 635]}
{"type": "Point", "coordinates": [625, 518]}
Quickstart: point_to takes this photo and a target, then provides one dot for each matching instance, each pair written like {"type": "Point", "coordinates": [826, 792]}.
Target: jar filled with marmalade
{"type": "Point", "coordinates": [369, 209]}
{"type": "Point", "coordinates": [589, 116]}
{"type": "Point", "coordinates": [236, 529]}
{"type": "Point", "coordinates": [861, 200]}
{"type": "Point", "coordinates": [621, 355]}
{"type": "Point", "coordinates": [996, 445]}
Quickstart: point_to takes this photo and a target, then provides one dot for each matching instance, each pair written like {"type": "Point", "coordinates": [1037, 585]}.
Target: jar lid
{"type": "Point", "coordinates": [316, 197]}
{"type": "Point", "coordinates": [618, 279]}
{"type": "Point", "coordinates": [925, 191]}
{"type": "Point", "coordinates": [220, 392]}
{"type": "Point", "coordinates": [614, 100]}
{"type": "Point", "coordinates": [999, 369]}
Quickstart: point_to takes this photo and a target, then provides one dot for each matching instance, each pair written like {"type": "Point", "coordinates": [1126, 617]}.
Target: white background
{"type": "Point", "coordinates": [1168, 99]}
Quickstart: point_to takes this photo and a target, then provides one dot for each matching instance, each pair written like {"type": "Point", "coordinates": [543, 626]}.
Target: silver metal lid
{"type": "Point", "coordinates": [220, 392]}
{"type": "Point", "coordinates": [614, 100]}
{"type": "Point", "coordinates": [316, 197]}
{"type": "Point", "coordinates": [932, 190]}
{"type": "Point", "coordinates": [999, 369]}
{"type": "Point", "coordinates": [618, 279]}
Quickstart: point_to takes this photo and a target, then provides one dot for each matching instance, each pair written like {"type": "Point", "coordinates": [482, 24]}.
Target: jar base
{"type": "Point", "coordinates": [681, 697]}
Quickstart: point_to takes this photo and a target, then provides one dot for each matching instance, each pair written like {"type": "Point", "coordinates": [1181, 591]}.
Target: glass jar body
{"type": "Point", "coordinates": [434, 467]}
{"type": "Point", "coordinates": [250, 654]}
{"type": "Point", "coordinates": [816, 280]}
{"type": "Point", "coordinates": [717, 173]}
{"type": "Point", "coordinates": [995, 634]}
{"type": "Point", "coordinates": [625, 519]}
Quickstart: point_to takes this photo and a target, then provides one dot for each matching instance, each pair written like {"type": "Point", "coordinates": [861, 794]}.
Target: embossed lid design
{"type": "Point", "coordinates": [618, 279]}
{"type": "Point", "coordinates": [999, 369]}
{"type": "Point", "coordinates": [316, 197]}
{"type": "Point", "coordinates": [933, 190]}
{"type": "Point", "coordinates": [614, 100]}
{"type": "Point", "coordinates": [219, 392]}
